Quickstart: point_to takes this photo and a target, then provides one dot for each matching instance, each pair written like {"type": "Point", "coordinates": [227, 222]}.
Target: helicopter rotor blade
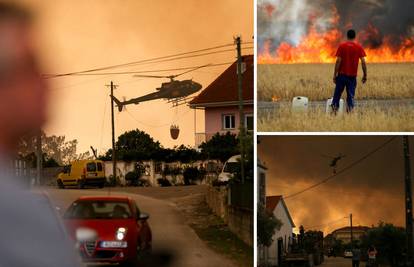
{"type": "Point", "coordinates": [151, 76]}
{"type": "Point", "coordinates": [170, 76]}
{"type": "Point", "coordinates": [188, 71]}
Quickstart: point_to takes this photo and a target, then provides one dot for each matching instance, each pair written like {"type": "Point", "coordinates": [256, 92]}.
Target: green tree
{"type": "Point", "coordinates": [192, 174]}
{"type": "Point", "coordinates": [389, 241]}
{"type": "Point", "coordinates": [220, 146]}
{"type": "Point", "coordinates": [267, 224]}
{"type": "Point", "coordinates": [248, 160]}
{"type": "Point", "coordinates": [135, 145]}
{"type": "Point", "coordinates": [185, 154]}
{"type": "Point", "coordinates": [57, 147]}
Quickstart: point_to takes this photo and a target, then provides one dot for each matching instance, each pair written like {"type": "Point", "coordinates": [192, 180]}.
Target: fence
{"type": "Point", "coordinates": [241, 195]}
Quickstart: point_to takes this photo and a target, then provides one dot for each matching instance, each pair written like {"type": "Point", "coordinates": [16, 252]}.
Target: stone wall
{"type": "Point", "coordinates": [216, 199]}
{"type": "Point", "coordinates": [240, 222]}
{"type": "Point", "coordinates": [238, 219]}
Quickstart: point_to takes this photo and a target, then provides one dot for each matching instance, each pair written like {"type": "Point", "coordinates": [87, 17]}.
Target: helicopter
{"type": "Point", "coordinates": [334, 161]}
{"type": "Point", "coordinates": [174, 91]}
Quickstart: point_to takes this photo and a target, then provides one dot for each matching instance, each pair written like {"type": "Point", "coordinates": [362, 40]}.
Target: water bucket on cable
{"type": "Point", "coordinates": [174, 131]}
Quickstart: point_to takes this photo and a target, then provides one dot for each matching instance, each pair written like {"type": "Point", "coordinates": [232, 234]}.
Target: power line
{"type": "Point", "coordinates": [147, 61]}
{"type": "Point", "coordinates": [337, 192]}
{"type": "Point", "coordinates": [342, 170]}
{"type": "Point", "coordinates": [142, 61]}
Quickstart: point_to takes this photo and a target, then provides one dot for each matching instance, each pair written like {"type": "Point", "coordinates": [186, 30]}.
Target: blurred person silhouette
{"type": "Point", "coordinates": [356, 256]}
{"type": "Point", "coordinates": [372, 256]}
{"type": "Point", "coordinates": [31, 234]}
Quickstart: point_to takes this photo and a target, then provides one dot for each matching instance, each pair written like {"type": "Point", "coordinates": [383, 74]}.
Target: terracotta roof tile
{"type": "Point", "coordinates": [271, 203]}
{"type": "Point", "coordinates": [224, 88]}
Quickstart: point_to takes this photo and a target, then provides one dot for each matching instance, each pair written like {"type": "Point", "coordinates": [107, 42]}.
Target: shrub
{"type": "Point", "coordinates": [163, 182]}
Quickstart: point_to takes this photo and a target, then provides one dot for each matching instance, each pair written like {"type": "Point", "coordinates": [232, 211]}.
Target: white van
{"type": "Point", "coordinates": [229, 168]}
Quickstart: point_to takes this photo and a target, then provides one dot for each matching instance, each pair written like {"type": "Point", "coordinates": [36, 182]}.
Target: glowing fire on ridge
{"type": "Point", "coordinates": [320, 47]}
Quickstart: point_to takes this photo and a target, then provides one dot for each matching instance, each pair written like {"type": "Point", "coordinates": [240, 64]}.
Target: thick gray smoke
{"type": "Point", "coordinates": [288, 20]}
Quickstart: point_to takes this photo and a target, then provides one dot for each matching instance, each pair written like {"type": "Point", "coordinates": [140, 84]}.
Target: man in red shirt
{"type": "Point", "coordinates": [346, 69]}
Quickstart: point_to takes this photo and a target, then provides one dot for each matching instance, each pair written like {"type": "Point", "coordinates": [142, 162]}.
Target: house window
{"type": "Point", "coordinates": [262, 188]}
{"type": "Point", "coordinates": [229, 122]}
{"type": "Point", "coordinates": [248, 122]}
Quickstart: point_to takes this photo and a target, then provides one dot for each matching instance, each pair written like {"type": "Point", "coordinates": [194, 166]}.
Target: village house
{"type": "Point", "coordinates": [282, 237]}
{"type": "Point", "coordinates": [344, 234]}
{"type": "Point", "coordinates": [220, 102]}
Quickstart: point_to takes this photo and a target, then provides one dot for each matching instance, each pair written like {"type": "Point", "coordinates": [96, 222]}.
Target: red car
{"type": "Point", "coordinates": [123, 233]}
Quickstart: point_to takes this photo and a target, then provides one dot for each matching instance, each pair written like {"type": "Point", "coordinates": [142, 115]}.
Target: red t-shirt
{"type": "Point", "coordinates": [350, 53]}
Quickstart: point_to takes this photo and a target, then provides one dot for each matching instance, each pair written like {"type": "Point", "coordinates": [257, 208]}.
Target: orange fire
{"type": "Point", "coordinates": [320, 47]}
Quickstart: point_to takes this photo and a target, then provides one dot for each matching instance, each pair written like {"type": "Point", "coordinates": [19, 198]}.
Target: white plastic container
{"type": "Point", "coordinates": [329, 108]}
{"type": "Point", "coordinates": [300, 103]}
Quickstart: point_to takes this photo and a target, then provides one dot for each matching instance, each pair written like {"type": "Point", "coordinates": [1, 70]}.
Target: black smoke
{"type": "Point", "coordinates": [393, 19]}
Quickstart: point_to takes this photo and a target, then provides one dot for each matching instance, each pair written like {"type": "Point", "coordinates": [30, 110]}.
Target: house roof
{"type": "Point", "coordinates": [223, 90]}
{"type": "Point", "coordinates": [271, 203]}
{"type": "Point", "coordinates": [354, 228]}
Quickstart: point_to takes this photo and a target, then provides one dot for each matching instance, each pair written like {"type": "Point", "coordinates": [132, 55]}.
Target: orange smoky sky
{"type": "Point", "coordinates": [372, 190]}
{"type": "Point", "coordinates": [83, 34]}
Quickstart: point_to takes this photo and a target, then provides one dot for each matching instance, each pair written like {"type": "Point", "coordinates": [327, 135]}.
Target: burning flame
{"type": "Point", "coordinates": [275, 98]}
{"type": "Point", "coordinates": [320, 46]}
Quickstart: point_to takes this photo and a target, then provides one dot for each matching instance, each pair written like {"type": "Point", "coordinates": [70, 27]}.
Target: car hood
{"type": "Point", "coordinates": [105, 229]}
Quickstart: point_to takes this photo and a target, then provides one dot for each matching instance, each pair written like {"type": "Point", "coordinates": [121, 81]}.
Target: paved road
{"type": "Point", "coordinates": [169, 229]}
{"type": "Point", "coordinates": [338, 262]}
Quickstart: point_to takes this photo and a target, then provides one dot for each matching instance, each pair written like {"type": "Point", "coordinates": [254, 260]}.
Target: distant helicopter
{"type": "Point", "coordinates": [173, 91]}
{"type": "Point", "coordinates": [334, 161]}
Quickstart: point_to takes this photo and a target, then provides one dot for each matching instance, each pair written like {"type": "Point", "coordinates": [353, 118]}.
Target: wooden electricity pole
{"type": "Point", "coordinates": [408, 201]}
{"type": "Point", "coordinates": [113, 131]}
{"type": "Point", "coordinates": [352, 233]}
{"type": "Point", "coordinates": [241, 112]}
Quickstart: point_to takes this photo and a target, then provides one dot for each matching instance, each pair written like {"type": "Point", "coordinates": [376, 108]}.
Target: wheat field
{"type": "Point", "coordinates": [366, 119]}
{"type": "Point", "coordinates": [284, 81]}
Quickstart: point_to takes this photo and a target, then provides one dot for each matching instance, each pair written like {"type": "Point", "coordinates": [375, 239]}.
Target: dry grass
{"type": "Point", "coordinates": [284, 81]}
{"type": "Point", "coordinates": [366, 119]}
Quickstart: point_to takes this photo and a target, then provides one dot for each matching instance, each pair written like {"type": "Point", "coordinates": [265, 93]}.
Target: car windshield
{"type": "Point", "coordinates": [93, 209]}
{"type": "Point", "coordinates": [231, 167]}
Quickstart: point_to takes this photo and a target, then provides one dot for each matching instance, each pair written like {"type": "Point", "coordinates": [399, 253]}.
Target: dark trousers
{"type": "Point", "coordinates": [342, 82]}
{"type": "Point", "coordinates": [355, 263]}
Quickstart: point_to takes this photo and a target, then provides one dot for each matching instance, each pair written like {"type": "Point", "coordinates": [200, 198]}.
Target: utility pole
{"type": "Point", "coordinates": [241, 112]}
{"type": "Point", "coordinates": [352, 234]}
{"type": "Point", "coordinates": [408, 201]}
{"type": "Point", "coordinates": [38, 156]}
{"type": "Point", "coordinates": [113, 131]}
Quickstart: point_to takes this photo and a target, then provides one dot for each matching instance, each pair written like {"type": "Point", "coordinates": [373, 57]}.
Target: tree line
{"type": "Point", "coordinates": [134, 145]}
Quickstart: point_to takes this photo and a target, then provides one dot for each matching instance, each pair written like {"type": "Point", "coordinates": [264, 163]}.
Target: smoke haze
{"type": "Point", "coordinates": [372, 191]}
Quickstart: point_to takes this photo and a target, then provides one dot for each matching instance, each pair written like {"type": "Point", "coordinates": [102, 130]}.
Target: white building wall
{"type": "Point", "coordinates": [285, 233]}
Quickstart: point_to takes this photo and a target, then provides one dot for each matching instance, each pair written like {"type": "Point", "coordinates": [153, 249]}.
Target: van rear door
{"type": "Point", "coordinates": [91, 169]}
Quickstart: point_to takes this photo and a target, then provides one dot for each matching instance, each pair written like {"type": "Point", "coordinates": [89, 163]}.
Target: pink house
{"type": "Point", "coordinates": [220, 102]}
